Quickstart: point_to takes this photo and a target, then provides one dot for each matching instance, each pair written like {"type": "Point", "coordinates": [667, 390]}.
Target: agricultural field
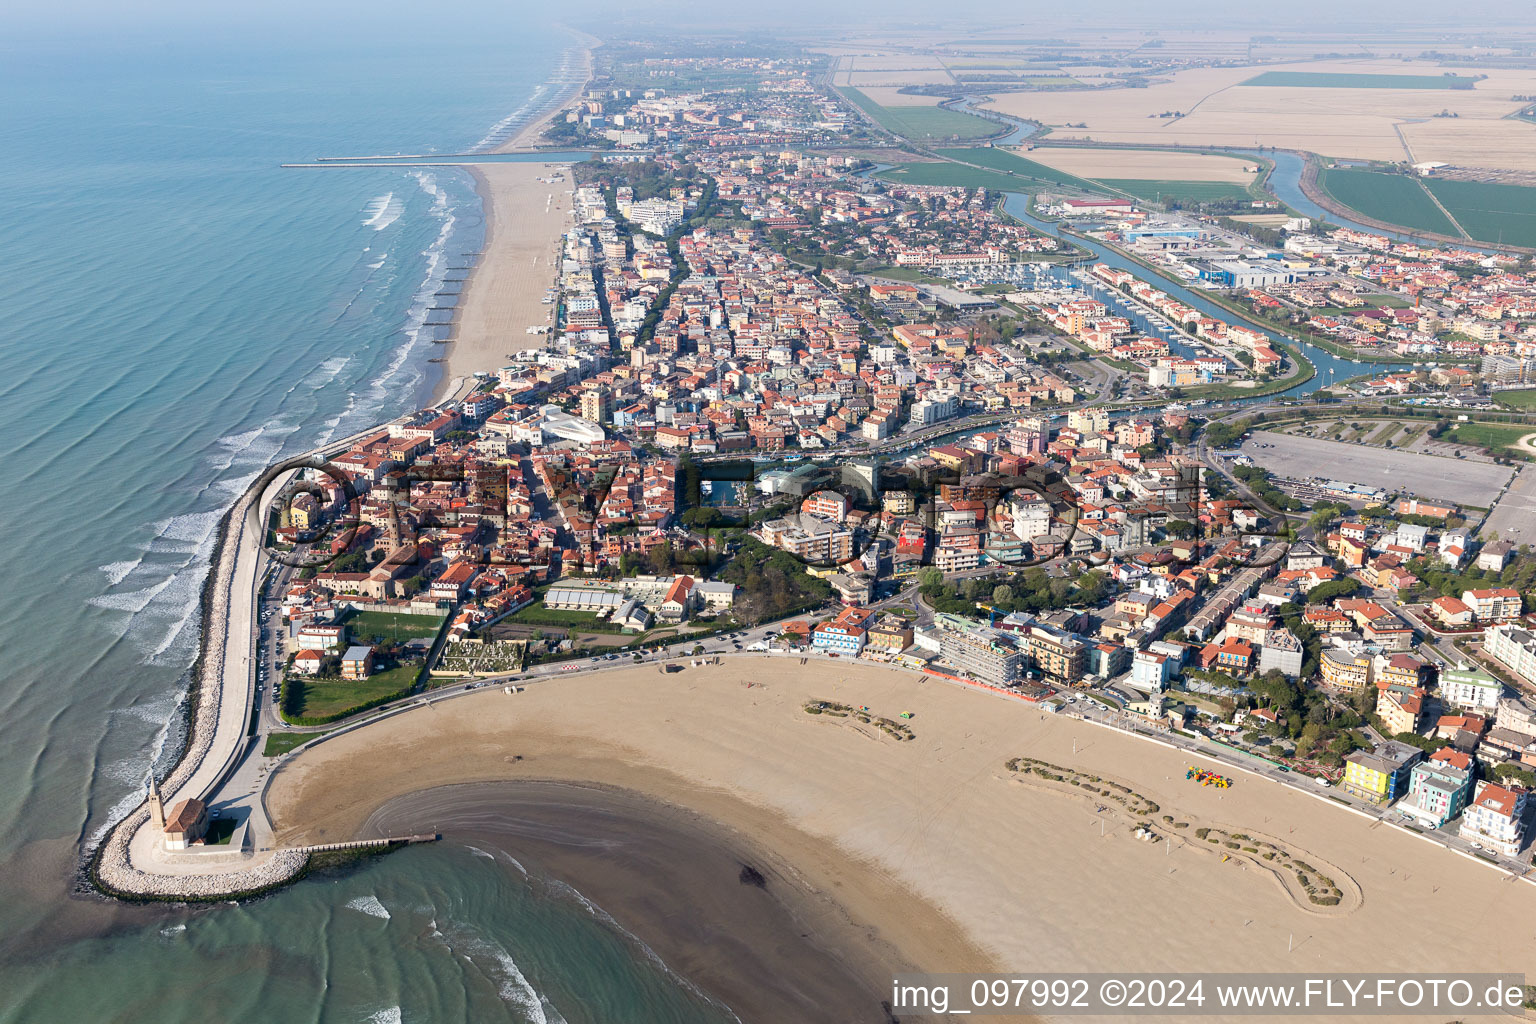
{"type": "Point", "coordinates": [1144, 164]}
{"type": "Point", "coordinates": [997, 64]}
{"type": "Point", "coordinates": [1200, 108]}
{"type": "Point", "coordinates": [948, 174]}
{"type": "Point", "coordinates": [1186, 191]}
{"type": "Point", "coordinates": [1336, 80]}
{"type": "Point", "coordinates": [1007, 160]}
{"type": "Point", "coordinates": [925, 123]}
{"type": "Point", "coordinates": [892, 96]}
{"type": "Point", "coordinates": [1489, 212]}
{"type": "Point", "coordinates": [859, 79]}
{"type": "Point", "coordinates": [1393, 198]}
{"type": "Point", "coordinates": [1030, 80]}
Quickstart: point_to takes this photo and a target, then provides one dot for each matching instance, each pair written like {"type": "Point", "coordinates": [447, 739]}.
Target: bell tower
{"type": "Point", "coordinates": [156, 805]}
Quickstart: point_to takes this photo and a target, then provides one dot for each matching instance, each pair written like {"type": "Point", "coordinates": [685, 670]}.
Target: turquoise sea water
{"type": "Point", "coordinates": [177, 312]}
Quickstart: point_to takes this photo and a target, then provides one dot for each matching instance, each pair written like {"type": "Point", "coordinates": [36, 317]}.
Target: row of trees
{"type": "Point", "coordinates": [1032, 590]}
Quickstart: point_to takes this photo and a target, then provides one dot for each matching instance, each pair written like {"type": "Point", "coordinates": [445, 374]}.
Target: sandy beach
{"type": "Point", "coordinates": [931, 849]}
{"type": "Point", "coordinates": [524, 219]}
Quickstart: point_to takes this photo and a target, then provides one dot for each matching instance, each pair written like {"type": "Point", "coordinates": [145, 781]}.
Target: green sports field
{"type": "Point", "coordinates": [1393, 198]}
{"type": "Point", "coordinates": [1522, 399]}
{"type": "Point", "coordinates": [1340, 80]}
{"type": "Point", "coordinates": [1488, 212]}
{"type": "Point", "coordinates": [365, 626]}
{"type": "Point", "coordinates": [925, 124]}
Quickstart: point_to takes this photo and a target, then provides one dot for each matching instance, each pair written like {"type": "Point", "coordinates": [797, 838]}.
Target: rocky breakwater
{"type": "Point", "coordinates": [131, 866]}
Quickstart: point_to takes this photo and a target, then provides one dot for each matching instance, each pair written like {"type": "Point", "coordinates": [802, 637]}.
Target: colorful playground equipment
{"type": "Point", "coordinates": [1207, 777]}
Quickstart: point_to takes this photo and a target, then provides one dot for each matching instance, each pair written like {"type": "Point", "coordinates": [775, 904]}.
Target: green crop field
{"type": "Point", "coordinates": [1003, 160]}
{"type": "Point", "coordinates": [1186, 191]}
{"type": "Point", "coordinates": [1340, 80]}
{"type": "Point", "coordinates": [1393, 198]}
{"type": "Point", "coordinates": [922, 124]}
{"type": "Point", "coordinates": [1522, 399]}
{"type": "Point", "coordinates": [1488, 212]}
{"type": "Point", "coordinates": [947, 174]}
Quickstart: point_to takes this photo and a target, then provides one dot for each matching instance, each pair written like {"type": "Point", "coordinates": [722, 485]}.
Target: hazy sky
{"type": "Point", "coordinates": [313, 20]}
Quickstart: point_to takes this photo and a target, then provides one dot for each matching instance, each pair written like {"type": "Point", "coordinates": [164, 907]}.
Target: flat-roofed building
{"type": "Point", "coordinates": [988, 655]}
{"type": "Point", "coordinates": [1345, 670]}
{"type": "Point", "coordinates": [1060, 656]}
{"type": "Point", "coordinates": [1469, 688]}
{"type": "Point", "coordinates": [1381, 775]}
{"type": "Point", "coordinates": [1515, 647]}
{"type": "Point", "coordinates": [1438, 787]}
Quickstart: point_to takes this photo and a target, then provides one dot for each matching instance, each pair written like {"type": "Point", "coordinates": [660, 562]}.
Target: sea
{"type": "Point", "coordinates": [176, 312]}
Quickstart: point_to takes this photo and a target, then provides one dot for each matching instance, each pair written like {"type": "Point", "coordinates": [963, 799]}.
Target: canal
{"type": "Point", "coordinates": [1330, 368]}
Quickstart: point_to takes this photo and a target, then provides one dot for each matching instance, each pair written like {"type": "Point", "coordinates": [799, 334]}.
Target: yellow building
{"type": "Point", "coordinates": [891, 634]}
{"type": "Point", "coordinates": [1381, 775]}
{"type": "Point", "coordinates": [303, 511]}
{"type": "Point", "coordinates": [1346, 671]}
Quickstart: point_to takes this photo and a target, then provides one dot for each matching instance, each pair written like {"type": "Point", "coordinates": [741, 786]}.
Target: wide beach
{"type": "Point", "coordinates": [524, 219]}
{"type": "Point", "coordinates": [932, 852]}
{"type": "Point", "coordinates": [525, 215]}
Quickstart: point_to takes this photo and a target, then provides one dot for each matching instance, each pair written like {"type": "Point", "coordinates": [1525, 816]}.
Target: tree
{"type": "Point", "coordinates": [1515, 775]}
{"type": "Point", "coordinates": [1092, 587]}
{"type": "Point", "coordinates": [1002, 594]}
{"type": "Point", "coordinates": [1325, 592]}
{"type": "Point", "coordinates": [1180, 529]}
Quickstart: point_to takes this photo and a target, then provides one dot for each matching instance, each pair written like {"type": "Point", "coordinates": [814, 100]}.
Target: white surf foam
{"type": "Point", "coordinates": [513, 986]}
{"type": "Point", "coordinates": [383, 211]}
{"type": "Point", "coordinates": [116, 572]}
{"type": "Point", "coordinates": [509, 125]}
{"type": "Point", "coordinates": [369, 905]}
{"type": "Point", "coordinates": [388, 1015]}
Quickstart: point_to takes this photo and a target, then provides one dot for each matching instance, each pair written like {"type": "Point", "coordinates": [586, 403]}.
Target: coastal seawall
{"type": "Point", "coordinates": [110, 866]}
{"type": "Point", "coordinates": [508, 282]}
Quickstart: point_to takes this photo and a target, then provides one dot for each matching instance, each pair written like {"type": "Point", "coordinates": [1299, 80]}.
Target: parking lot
{"type": "Point", "coordinates": [1514, 517]}
{"type": "Point", "coordinates": [1428, 476]}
